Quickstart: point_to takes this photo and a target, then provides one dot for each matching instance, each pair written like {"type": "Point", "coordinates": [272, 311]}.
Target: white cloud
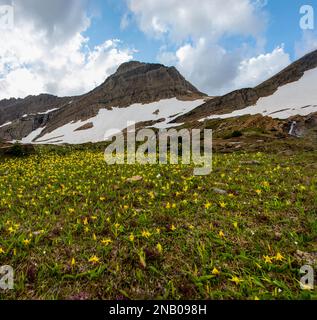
{"type": "Point", "coordinates": [47, 52]}
{"type": "Point", "coordinates": [182, 19]}
{"type": "Point", "coordinates": [197, 30]}
{"type": "Point", "coordinates": [98, 65]}
{"type": "Point", "coordinates": [308, 43]}
{"type": "Point", "coordinates": [209, 67]}
{"type": "Point", "coordinates": [225, 71]}
{"type": "Point", "coordinates": [257, 69]}
{"type": "Point", "coordinates": [19, 83]}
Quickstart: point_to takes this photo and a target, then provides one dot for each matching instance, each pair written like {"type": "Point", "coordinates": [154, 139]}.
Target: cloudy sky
{"type": "Point", "coordinates": [68, 47]}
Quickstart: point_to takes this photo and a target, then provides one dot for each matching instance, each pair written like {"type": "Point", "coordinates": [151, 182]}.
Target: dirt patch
{"type": "Point", "coordinates": [85, 126]}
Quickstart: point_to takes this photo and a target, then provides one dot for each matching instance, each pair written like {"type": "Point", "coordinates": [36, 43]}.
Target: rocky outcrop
{"type": "Point", "coordinates": [136, 82]}
{"type": "Point", "coordinates": [24, 125]}
{"type": "Point", "coordinates": [14, 109]}
{"type": "Point", "coordinates": [26, 115]}
{"type": "Point", "coordinates": [305, 126]}
{"type": "Point", "coordinates": [85, 127]}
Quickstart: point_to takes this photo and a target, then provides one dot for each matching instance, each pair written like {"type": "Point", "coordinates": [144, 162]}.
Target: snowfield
{"type": "Point", "coordinates": [116, 119]}
{"type": "Point", "coordinates": [49, 111]}
{"type": "Point", "coordinates": [32, 136]}
{"type": "Point", "coordinates": [296, 98]}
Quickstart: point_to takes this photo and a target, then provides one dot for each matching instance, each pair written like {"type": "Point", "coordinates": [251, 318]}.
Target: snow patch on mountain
{"type": "Point", "coordinates": [296, 98]}
{"type": "Point", "coordinates": [116, 119]}
{"type": "Point", "coordinates": [5, 124]}
{"type": "Point", "coordinates": [32, 136]}
{"type": "Point", "coordinates": [49, 111]}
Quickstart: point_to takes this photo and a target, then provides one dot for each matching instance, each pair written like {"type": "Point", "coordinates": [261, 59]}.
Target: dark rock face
{"type": "Point", "coordinates": [134, 82]}
{"type": "Point", "coordinates": [25, 114]}
{"type": "Point", "coordinates": [24, 125]}
{"type": "Point", "coordinates": [243, 98]}
{"type": "Point", "coordinates": [14, 109]}
{"type": "Point", "coordinates": [221, 105]}
{"type": "Point", "coordinates": [306, 126]}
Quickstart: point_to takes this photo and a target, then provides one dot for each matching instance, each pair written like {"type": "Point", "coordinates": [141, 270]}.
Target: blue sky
{"type": "Point", "coordinates": [68, 48]}
{"type": "Point", "coordinates": [283, 27]}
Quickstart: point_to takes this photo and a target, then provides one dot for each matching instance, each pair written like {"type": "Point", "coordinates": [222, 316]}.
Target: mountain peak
{"type": "Point", "coordinates": [134, 68]}
{"type": "Point", "coordinates": [128, 66]}
{"type": "Point", "coordinates": [140, 82]}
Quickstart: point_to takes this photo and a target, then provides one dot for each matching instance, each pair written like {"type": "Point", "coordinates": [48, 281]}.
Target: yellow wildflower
{"type": "Point", "coordinates": [94, 260]}
{"type": "Point", "coordinates": [146, 234]}
{"type": "Point", "coordinates": [279, 257]}
{"type": "Point", "coordinates": [11, 230]}
{"type": "Point", "coordinates": [106, 241]}
{"type": "Point", "coordinates": [236, 280]}
{"type": "Point", "coordinates": [159, 248]}
{"type": "Point", "coordinates": [207, 205]}
{"type": "Point", "coordinates": [222, 204]}
{"type": "Point", "coordinates": [267, 259]}
{"type": "Point", "coordinates": [26, 242]}
{"type": "Point", "coordinates": [215, 272]}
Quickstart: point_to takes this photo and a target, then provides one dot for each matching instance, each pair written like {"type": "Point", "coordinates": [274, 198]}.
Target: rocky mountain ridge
{"type": "Point", "coordinates": [134, 82]}
{"type": "Point", "coordinates": [246, 97]}
{"type": "Point", "coordinates": [155, 95]}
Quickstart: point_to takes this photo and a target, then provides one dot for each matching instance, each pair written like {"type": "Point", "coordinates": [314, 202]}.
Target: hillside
{"type": "Point", "coordinates": [298, 81]}
{"type": "Point", "coordinates": [133, 83]}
